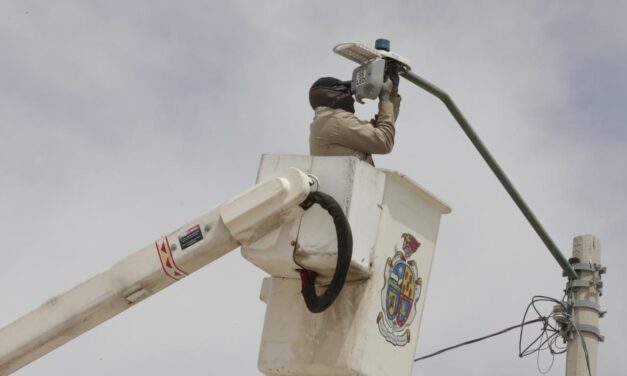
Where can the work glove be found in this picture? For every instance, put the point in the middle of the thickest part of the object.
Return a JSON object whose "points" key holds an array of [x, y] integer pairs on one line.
{"points": [[386, 90], [392, 69]]}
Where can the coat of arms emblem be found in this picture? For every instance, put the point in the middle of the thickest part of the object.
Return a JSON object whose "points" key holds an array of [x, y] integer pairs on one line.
{"points": [[400, 293]]}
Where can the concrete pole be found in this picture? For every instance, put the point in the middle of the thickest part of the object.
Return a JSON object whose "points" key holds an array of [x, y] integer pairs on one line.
{"points": [[584, 297]]}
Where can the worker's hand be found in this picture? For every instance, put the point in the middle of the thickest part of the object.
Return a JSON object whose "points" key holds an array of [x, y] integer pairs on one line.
{"points": [[392, 72], [386, 90]]}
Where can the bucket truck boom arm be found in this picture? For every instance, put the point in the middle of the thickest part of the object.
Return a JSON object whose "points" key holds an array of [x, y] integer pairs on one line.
{"points": [[242, 220]]}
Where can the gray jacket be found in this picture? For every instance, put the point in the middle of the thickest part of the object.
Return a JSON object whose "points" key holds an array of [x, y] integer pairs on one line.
{"points": [[336, 132]]}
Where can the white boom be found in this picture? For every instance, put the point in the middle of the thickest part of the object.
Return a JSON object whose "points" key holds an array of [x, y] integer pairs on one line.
{"points": [[243, 219]]}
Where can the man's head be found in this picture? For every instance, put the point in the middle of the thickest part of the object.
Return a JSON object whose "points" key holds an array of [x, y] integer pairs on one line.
{"points": [[331, 92]]}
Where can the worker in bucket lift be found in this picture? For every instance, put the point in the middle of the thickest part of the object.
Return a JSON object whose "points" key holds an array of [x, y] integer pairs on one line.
{"points": [[336, 131]]}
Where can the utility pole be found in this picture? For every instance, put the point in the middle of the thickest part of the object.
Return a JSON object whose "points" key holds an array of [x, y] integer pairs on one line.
{"points": [[584, 295]]}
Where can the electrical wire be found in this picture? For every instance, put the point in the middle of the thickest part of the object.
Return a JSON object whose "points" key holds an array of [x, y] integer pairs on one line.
{"points": [[585, 349], [547, 328], [547, 340], [570, 295], [551, 340], [479, 339], [544, 372]]}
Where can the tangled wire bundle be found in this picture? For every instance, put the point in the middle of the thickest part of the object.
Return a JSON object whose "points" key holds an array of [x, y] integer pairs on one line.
{"points": [[546, 340]]}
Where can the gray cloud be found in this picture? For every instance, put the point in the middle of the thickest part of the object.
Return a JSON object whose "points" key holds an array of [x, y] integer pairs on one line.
{"points": [[119, 122]]}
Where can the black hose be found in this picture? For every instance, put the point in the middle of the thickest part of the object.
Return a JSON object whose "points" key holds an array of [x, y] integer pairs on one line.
{"points": [[315, 303]]}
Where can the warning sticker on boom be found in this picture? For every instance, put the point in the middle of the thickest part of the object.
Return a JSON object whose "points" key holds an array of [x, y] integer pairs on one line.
{"points": [[190, 237], [167, 259]]}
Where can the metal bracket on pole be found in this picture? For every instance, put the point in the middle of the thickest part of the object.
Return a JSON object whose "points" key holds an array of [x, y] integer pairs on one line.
{"points": [[575, 283], [584, 266], [496, 169], [589, 267], [585, 283], [590, 329]]}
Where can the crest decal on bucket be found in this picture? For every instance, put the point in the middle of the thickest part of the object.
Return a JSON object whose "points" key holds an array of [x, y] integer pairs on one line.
{"points": [[400, 293]]}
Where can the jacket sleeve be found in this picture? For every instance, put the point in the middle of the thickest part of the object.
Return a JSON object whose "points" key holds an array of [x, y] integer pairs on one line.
{"points": [[396, 103], [369, 138]]}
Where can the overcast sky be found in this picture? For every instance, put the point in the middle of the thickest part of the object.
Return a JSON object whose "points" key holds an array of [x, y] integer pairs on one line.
{"points": [[120, 121]]}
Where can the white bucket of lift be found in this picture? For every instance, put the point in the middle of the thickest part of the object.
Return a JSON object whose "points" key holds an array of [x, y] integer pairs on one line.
{"points": [[372, 327]]}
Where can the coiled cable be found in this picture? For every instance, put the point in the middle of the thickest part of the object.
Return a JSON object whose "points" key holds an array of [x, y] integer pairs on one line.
{"points": [[318, 303]]}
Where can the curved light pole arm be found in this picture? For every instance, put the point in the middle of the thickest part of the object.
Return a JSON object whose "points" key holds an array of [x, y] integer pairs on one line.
{"points": [[496, 169]]}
